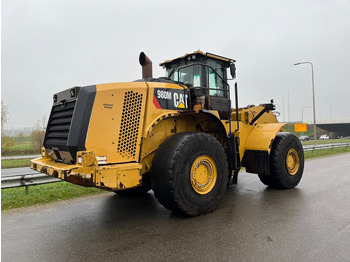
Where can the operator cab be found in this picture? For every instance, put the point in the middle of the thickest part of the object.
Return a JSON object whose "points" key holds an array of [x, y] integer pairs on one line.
{"points": [[205, 75]]}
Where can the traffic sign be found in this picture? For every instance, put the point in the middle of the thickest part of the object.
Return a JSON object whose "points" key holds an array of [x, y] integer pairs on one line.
{"points": [[300, 127]]}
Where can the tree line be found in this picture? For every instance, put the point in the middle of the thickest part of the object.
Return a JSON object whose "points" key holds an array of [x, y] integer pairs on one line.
{"points": [[36, 136]]}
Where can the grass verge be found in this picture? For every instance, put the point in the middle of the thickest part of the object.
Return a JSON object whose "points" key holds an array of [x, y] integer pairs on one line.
{"points": [[13, 163], [19, 150], [41, 194]]}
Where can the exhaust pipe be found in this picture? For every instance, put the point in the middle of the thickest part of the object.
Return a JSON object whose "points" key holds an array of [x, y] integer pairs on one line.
{"points": [[146, 65]]}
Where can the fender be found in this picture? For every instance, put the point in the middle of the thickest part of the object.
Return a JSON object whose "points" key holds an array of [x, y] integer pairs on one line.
{"points": [[218, 125], [258, 146], [221, 130], [261, 137], [170, 123]]}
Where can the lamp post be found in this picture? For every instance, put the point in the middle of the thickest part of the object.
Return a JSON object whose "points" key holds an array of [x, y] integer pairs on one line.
{"points": [[313, 94], [302, 113]]}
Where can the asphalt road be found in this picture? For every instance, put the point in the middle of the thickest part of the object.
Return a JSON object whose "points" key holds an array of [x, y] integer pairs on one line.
{"points": [[253, 223]]}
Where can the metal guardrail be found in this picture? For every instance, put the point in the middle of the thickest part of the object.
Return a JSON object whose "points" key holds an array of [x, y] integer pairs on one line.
{"points": [[39, 178], [327, 146], [27, 180]]}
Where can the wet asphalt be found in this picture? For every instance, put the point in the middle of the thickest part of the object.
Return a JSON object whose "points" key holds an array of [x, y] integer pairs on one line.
{"points": [[253, 223]]}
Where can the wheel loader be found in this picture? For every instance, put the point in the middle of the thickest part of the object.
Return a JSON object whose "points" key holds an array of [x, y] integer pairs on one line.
{"points": [[179, 135]]}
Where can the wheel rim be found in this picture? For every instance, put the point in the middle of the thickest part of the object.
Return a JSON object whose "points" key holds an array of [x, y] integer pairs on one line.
{"points": [[203, 174], [292, 161]]}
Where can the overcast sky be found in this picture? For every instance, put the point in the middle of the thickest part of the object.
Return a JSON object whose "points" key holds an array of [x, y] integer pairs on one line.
{"points": [[48, 46]]}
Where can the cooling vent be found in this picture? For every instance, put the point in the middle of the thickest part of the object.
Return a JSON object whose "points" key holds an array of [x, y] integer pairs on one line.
{"points": [[59, 125], [129, 126]]}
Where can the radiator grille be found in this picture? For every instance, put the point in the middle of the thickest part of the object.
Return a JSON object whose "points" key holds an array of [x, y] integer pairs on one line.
{"points": [[129, 126], [59, 125]]}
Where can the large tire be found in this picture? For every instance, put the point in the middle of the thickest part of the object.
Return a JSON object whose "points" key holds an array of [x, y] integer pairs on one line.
{"points": [[190, 173], [286, 162]]}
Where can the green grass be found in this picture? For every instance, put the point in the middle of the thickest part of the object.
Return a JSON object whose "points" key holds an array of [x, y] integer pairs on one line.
{"points": [[19, 150], [12, 163], [41, 194], [326, 152]]}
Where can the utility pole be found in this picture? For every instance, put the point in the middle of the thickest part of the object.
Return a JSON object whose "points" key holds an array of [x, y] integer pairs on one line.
{"points": [[313, 95]]}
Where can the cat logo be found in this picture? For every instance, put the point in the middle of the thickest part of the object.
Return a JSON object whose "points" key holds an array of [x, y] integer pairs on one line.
{"points": [[181, 105], [180, 100]]}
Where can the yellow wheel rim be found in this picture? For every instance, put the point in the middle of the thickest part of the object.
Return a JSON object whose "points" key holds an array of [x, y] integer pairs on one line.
{"points": [[292, 161], [203, 174]]}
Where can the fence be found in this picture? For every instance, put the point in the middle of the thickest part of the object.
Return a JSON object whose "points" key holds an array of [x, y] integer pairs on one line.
{"points": [[326, 146]]}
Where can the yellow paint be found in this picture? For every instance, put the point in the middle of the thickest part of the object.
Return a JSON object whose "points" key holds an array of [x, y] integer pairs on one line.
{"points": [[112, 132], [111, 177], [199, 52], [181, 105], [292, 161], [120, 176], [261, 136], [128, 144], [203, 174]]}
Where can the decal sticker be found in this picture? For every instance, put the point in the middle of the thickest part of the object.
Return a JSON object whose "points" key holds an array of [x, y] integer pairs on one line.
{"points": [[108, 106], [166, 98]]}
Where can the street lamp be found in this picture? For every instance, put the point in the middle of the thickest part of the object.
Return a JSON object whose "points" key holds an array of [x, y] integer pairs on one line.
{"points": [[313, 94], [302, 113]]}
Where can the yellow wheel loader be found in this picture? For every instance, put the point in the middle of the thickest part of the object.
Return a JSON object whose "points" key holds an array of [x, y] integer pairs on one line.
{"points": [[177, 135]]}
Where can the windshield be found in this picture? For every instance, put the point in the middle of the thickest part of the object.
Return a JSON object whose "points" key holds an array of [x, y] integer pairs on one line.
{"points": [[211, 75]]}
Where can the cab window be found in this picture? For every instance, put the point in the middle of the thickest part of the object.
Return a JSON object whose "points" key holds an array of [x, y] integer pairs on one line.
{"points": [[190, 76], [215, 78]]}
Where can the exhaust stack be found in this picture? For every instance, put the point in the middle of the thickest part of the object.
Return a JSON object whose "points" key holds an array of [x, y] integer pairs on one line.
{"points": [[146, 65]]}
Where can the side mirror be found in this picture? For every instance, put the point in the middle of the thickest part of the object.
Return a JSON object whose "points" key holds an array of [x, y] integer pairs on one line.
{"points": [[233, 70]]}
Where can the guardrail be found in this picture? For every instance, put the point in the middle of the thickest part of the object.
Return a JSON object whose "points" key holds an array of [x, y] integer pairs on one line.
{"points": [[27, 180], [326, 146], [39, 178]]}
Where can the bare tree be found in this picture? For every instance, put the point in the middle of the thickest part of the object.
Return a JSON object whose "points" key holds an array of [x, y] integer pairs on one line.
{"points": [[4, 116], [6, 141], [38, 134]]}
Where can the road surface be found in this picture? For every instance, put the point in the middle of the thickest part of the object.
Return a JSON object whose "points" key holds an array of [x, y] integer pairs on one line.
{"points": [[253, 223]]}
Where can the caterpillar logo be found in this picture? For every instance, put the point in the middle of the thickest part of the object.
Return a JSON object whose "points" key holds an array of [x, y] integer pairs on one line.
{"points": [[166, 98]]}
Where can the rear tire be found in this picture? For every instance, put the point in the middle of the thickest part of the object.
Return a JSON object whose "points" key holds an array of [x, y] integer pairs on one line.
{"points": [[286, 162], [190, 173]]}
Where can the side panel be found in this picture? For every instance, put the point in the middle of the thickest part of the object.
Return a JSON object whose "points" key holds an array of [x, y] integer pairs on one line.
{"points": [[163, 99], [116, 121]]}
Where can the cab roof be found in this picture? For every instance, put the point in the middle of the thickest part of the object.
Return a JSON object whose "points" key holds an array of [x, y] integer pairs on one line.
{"points": [[189, 56]]}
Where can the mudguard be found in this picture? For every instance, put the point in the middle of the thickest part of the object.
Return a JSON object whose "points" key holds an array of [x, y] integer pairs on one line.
{"points": [[262, 136]]}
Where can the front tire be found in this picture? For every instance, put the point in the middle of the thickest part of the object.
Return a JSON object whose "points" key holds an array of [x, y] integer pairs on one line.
{"points": [[189, 173], [286, 162]]}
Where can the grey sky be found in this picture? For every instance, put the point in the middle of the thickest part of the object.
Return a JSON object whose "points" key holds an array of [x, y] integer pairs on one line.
{"points": [[49, 46]]}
